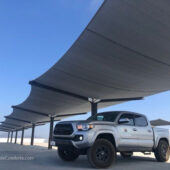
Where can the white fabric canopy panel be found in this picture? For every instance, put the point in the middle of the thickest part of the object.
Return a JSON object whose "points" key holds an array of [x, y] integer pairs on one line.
{"points": [[123, 52]]}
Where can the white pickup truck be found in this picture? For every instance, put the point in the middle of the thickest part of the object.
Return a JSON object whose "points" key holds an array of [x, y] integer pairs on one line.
{"points": [[101, 136]]}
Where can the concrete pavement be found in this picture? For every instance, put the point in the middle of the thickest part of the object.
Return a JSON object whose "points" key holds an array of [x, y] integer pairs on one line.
{"points": [[16, 157]]}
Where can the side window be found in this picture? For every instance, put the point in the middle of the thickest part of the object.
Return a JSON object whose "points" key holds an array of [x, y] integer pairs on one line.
{"points": [[140, 121], [126, 119]]}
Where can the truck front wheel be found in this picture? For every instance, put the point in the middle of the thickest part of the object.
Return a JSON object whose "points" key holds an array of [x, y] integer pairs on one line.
{"points": [[162, 152], [67, 154], [101, 154]]}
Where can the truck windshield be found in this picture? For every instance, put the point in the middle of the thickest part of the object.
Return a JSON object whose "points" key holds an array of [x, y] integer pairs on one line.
{"points": [[106, 116]]}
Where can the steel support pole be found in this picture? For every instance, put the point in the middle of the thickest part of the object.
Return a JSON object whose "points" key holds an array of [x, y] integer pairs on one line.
{"points": [[22, 136], [11, 136], [8, 137], [51, 132], [32, 134], [16, 135], [93, 108]]}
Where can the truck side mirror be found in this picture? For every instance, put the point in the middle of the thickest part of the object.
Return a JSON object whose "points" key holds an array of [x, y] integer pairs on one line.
{"points": [[124, 120]]}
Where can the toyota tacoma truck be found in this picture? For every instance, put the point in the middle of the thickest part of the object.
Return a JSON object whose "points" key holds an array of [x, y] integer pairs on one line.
{"points": [[101, 136]]}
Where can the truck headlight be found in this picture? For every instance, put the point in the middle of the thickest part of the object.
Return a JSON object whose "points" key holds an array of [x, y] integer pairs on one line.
{"points": [[82, 127]]}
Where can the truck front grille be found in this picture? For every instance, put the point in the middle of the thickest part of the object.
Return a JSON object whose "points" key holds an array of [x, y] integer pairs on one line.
{"points": [[63, 129]]}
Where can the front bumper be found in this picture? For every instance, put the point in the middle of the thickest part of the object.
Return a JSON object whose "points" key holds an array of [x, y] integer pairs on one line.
{"points": [[61, 142], [79, 140]]}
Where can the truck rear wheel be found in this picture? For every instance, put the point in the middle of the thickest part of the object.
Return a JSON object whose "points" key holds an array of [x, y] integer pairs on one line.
{"points": [[162, 152], [101, 154], [126, 154], [67, 154]]}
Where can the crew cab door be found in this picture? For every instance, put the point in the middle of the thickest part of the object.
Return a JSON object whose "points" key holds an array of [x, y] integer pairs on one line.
{"points": [[126, 132], [144, 132]]}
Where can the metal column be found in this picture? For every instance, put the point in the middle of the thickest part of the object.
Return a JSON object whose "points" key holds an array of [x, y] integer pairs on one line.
{"points": [[22, 136], [8, 137], [93, 108], [11, 136], [51, 132], [16, 134], [32, 135]]}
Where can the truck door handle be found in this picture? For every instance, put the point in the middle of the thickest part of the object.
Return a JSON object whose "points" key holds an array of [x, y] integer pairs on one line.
{"points": [[149, 131], [134, 129]]}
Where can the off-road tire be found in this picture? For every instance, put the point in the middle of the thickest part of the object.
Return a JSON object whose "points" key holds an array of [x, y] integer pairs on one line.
{"points": [[102, 154], [67, 154], [162, 152]]}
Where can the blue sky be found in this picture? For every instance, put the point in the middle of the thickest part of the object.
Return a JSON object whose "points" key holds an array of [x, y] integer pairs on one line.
{"points": [[34, 34]]}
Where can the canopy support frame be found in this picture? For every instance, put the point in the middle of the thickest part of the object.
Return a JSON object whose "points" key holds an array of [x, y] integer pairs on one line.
{"points": [[8, 137], [94, 102], [16, 135], [11, 136], [32, 134], [51, 132], [22, 136]]}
